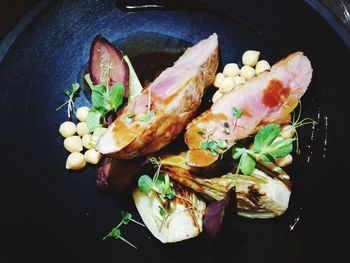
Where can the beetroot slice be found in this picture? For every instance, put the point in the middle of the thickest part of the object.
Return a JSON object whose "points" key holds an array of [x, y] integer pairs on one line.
{"points": [[102, 52], [220, 214]]}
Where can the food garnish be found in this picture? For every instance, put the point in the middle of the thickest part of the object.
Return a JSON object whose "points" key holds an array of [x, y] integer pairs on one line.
{"points": [[116, 232], [265, 149], [103, 102], [160, 182], [71, 94]]}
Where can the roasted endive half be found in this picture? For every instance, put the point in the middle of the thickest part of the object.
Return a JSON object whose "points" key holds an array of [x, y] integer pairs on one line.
{"points": [[171, 220], [264, 193]]}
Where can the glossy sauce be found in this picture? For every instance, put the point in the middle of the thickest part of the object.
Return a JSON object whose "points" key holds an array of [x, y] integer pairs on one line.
{"points": [[200, 158], [275, 93]]}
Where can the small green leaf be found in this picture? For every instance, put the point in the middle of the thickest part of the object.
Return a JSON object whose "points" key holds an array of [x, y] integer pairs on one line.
{"points": [[205, 145], [162, 211], [171, 194], [265, 137], [89, 81], [213, 145], [148, 116], [126, 217], [99, 99], [267, 158], [248, 163], [115, 232], [237, 152], [159, 184], [67, 92], [281, 148], [237, 112], [222, 144], [145, 184], [116, 96], [167, 186], [93, 120], [75, 87]]}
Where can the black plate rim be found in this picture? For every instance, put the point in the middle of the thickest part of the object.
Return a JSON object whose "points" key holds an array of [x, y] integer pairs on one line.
{"points": [[6, 43]]}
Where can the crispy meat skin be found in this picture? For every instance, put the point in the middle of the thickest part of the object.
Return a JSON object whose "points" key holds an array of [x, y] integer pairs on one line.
{"points": [[269, 97], [175, 97]]}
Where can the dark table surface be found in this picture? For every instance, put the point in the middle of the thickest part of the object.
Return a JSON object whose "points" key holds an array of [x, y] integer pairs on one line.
{"points": [[12, 11]]}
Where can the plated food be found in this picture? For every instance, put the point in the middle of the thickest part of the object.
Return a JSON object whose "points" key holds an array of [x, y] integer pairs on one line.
{"points": [[193, 171]]}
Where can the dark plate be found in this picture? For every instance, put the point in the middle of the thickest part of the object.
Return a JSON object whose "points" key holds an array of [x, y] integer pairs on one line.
{"points": [[51, 215]]}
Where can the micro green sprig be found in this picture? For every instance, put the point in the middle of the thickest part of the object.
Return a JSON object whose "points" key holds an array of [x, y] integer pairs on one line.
{"points": [[160, 182], [265, 148], [71, 94], [297, 123], [116, 232]]}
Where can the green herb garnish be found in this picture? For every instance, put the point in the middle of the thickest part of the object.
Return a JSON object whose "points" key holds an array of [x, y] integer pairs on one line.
{"points": [[214, 146], [264, 149], [116, 232], [150, 113], [104, 102], [71, 94], [237, 113], [296, 123], [162, 212], [130, 118], [148, 116], [160, 182]]}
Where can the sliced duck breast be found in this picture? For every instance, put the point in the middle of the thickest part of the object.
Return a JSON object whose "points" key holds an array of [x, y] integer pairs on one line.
{"points": [[165, 107]]}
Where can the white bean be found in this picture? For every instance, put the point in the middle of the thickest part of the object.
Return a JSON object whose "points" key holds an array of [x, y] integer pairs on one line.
{"points": [[239, 80], [219, 78], [227, 85], [262, 66], [92, 156], [67, 129], [75, 161], [247, 72], [82, 113], [73, 144], [250, 57], [82, 128], [231, 70], [284, 161], [288, 131], [86, 141]]}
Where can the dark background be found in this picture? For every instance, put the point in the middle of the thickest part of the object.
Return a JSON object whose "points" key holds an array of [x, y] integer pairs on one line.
{"points": [[32, 206], [12, 10]]}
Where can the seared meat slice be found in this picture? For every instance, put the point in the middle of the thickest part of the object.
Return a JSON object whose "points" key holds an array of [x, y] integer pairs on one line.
{"points": [[269, 97], [165, 107]]}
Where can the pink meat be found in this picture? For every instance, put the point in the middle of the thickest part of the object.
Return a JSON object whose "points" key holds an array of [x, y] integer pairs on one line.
{"points": [[269, 97], [174, 98]]}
